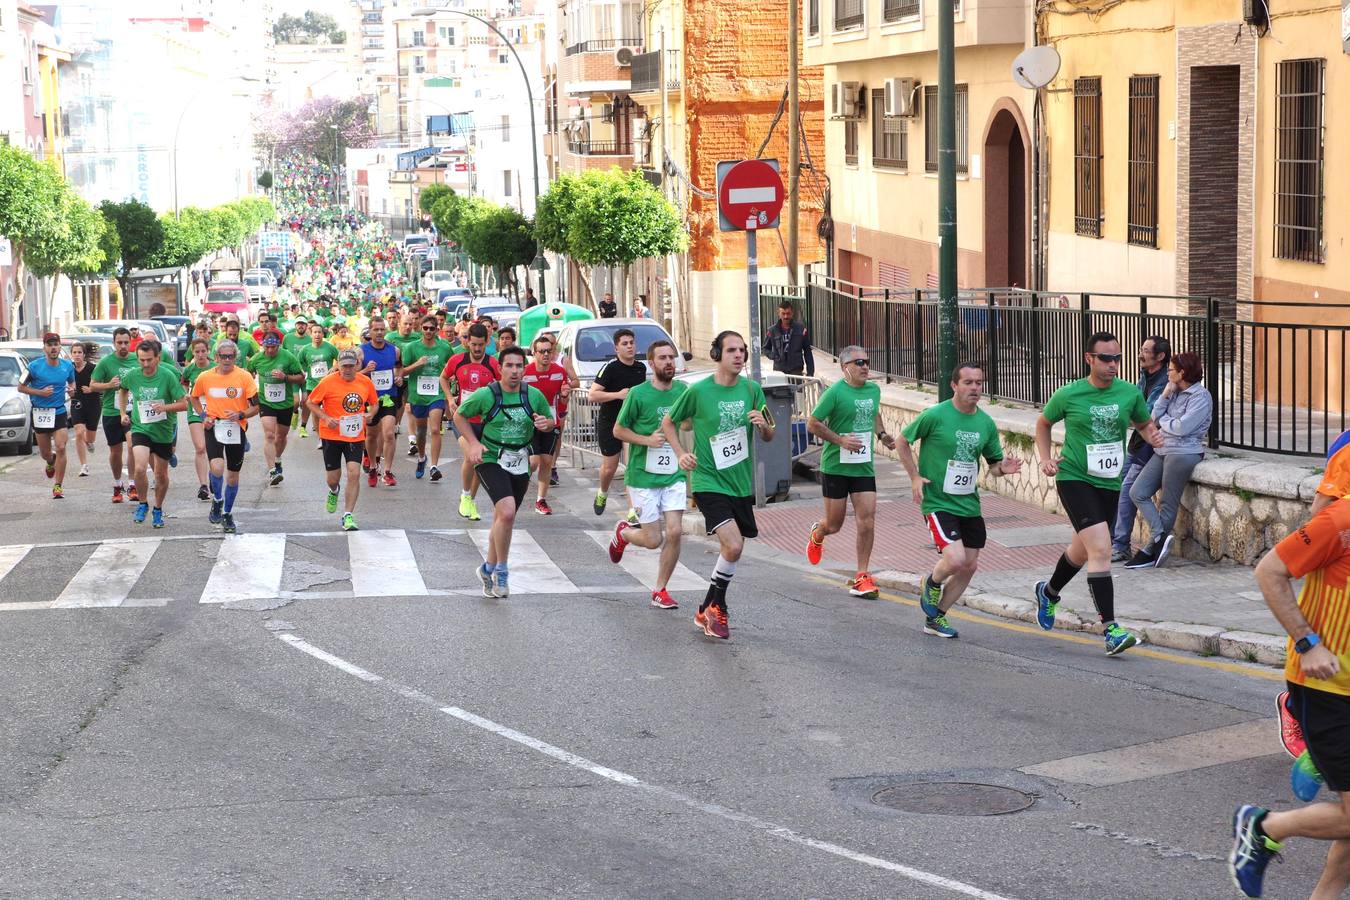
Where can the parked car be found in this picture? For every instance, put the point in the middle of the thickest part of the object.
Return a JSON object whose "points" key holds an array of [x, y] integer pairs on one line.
{"points": [[229, 299], [447, 297], [259, 286], [433, 281], [416, 242], [503, 312], [276, 265], [590, 344], [180, 334], [264, 273], [16, 420], [148, 327]]}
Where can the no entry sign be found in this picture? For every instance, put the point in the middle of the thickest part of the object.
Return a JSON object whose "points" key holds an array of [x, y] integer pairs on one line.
{"points": [[749, 194]]}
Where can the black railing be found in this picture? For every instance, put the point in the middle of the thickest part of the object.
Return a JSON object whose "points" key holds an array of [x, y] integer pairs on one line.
{"points": [[597, 148], [595, 46], [1277, 378]]}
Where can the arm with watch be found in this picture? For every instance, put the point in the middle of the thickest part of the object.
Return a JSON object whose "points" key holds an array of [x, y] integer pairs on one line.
{"points": [[1276, 582]]}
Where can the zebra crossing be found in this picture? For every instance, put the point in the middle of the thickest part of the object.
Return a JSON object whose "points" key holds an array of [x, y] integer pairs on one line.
{"points": [[295, 566]]}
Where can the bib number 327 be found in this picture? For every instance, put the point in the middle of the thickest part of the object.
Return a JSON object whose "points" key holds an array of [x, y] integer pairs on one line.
{"points": [[729, 448], [1106, 460], [515, 462]]}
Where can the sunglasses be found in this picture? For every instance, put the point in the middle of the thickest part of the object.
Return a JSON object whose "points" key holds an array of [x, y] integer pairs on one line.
{"points": [[858, 362], [428, 327], [226, 355], [1108, 357]]}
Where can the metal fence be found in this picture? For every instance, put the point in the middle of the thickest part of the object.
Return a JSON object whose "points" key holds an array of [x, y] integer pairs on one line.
{"points": [[1277, 371]]}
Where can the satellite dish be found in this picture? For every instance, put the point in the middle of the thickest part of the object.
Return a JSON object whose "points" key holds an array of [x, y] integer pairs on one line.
{"points": [[1036, 67]]}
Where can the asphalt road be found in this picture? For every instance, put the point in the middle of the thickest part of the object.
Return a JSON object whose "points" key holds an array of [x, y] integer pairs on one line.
{"points": [[388, 732]]}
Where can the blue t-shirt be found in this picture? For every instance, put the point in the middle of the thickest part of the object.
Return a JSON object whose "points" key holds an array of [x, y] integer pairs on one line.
{"points": [[385, 360], [43, 374]]}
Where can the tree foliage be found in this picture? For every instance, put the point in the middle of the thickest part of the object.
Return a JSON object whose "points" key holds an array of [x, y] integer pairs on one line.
{"points": [[310, 28], [140, 235], [608, 219], [265, 181], [320, 129], [447, 213], [497, 236], [431, 194], [197, 232], [80, 251]]}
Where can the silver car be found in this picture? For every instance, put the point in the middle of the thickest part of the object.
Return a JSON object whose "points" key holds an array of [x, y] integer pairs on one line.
{"points": [[589, 344], [16, 420]]}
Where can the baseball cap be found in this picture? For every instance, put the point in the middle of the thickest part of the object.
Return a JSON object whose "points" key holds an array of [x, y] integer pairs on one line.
{"points": [[348, 356], [271, 339], [50, 336]]}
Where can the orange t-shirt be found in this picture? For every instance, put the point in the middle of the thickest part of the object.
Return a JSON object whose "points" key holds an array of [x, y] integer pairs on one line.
{"points": [[221, 393], [338, 398], [1321, 551]]}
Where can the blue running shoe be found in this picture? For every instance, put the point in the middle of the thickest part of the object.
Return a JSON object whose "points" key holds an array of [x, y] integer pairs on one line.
{"points": [[1252, 850], [1304, 778], [1118, 640], [501, 590], [173, 460], [157, 518], [485, 576], [938, 626], [421, 466], [930, 595], [139, 515], [1045, 607], [216, 508]]}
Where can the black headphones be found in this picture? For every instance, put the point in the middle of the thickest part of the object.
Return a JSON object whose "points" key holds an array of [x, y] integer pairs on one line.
{"points": [[715, 353]]}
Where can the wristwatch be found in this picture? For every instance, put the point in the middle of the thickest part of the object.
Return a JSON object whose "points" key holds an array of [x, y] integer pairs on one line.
{"points": [[1307, 642]]}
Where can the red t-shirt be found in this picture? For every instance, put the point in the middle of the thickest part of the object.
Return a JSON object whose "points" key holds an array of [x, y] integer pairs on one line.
{"points": [[552, 383], [467, 376]]}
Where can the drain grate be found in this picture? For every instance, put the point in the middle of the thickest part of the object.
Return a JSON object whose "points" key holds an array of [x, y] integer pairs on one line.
{"points": [[953, 798]]}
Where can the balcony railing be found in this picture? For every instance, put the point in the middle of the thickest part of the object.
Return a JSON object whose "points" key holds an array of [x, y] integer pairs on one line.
{"points": [[647, 72], [598, 148], [597, 46]]}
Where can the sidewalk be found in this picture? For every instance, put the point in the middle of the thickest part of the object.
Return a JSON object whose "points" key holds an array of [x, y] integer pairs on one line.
{"points": [[1206, 609]]}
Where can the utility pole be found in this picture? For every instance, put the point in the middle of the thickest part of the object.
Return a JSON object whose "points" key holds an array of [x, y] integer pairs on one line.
{"points": [[946, 197], [794, 143]]}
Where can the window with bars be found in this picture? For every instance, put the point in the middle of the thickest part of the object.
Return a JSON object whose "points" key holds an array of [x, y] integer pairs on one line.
{"points": [[1143, 167], [895, 10], [850, 142], [848, 14], [813, 17], [890, 138], [930, 128], [1299, 163], [1087, 156]]}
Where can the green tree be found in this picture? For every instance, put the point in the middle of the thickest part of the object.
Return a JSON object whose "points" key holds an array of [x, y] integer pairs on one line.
{"points": [[140, 235], [499, 237], [188, 238], [551, 214], [448, 213], [311, 28], [31, 207], [431, 194], [81, 251], [265, 181], [230, 225]]}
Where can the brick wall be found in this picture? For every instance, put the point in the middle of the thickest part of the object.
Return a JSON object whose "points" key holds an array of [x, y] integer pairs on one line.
{"points": [[597, 66], [1213, 183]]}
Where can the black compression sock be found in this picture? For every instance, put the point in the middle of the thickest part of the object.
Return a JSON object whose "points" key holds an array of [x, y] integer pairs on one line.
{"points": [[1103, 594], [1064, 572]]}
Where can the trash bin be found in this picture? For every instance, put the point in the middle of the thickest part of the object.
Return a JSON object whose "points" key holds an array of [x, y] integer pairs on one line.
{"points": [[775, 457]]}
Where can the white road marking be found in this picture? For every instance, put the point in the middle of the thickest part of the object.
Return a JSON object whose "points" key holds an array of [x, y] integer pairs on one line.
{"points": [[779, 831], [383, 565], [642, 565], [248, 567], [10, 557], [1198, 750], [532, 570], [108, 575]]}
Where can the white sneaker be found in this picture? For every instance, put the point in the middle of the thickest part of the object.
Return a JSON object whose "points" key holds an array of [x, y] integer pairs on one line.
{"points": [[84, 471]]}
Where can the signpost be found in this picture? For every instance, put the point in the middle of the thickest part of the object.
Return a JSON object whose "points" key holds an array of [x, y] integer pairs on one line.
{"points": [[750, 197]]}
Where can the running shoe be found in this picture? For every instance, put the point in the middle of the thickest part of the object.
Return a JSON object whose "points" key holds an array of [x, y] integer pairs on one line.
{"points": [[1304, 778], [1291, 732], [365, 460], [717, 622], [421, 467], [349, 522], [227, 524], [1164, 548], [278, 465], [1118, 640], [330, 504], [864, 586], [468, 508], [435, 474], [214, 517], [51, 467], [275, 477], [131, 493], [930, 597], [156, 518], [701, 621], [617, 544], [501, 589], [1144, 559], [631, 517], [662, 600], [541, 506], [117, 493], [57, 492], [303, 433], [1045, 607], [173, 460], [938, 626], [389, 479], [815, 549], [412, 445], [1252, 850], [553, 478], [485, 576], [139, 515], [372, 476], [599, 503], [203, 493], [84, 471]]}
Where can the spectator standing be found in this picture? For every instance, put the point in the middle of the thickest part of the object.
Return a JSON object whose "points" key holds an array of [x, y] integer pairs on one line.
{"points": [[608, 308], [788, 344], [1155, 355]]}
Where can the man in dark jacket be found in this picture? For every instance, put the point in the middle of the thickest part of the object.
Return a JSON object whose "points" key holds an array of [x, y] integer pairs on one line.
{"points": [[788, 344], [1155, 355]]}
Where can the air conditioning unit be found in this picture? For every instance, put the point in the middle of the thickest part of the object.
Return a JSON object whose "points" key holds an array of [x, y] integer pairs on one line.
{"points": [[1254, 12], [845, 100], [623, 57], [900, 93]]}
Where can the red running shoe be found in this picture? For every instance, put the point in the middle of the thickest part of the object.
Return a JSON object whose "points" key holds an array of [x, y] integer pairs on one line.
{"points": [[662, 600], [373, 477], [701, 621], [617, 544], [365, 460], [542, 507], [131, 493], [117, 493], [814, 549], [389, 479], [1291, 733], [717, 623]]}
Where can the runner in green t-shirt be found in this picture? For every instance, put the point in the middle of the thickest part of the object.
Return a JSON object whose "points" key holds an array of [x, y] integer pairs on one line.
{"points": [[279, 374], [297, 338], [107, 378], [724, 409], [953, 436], [656, 485], [846, 417], [511, 411], [198, 362], [148, 402], [247, 346], [317, 358], [404, 330], [1097, 412], [423, 361]]}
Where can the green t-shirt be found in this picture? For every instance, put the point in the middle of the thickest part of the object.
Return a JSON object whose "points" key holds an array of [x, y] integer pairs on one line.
{"points": [[104, 371], [263, 365], [846, 410], [510, 428], [721, 434], [325, 355], [190, 373], [642, 412], [248, 347], [952, 444], [163, 386], [438, 354], [294, 343], [401, 341], [1096, 422]]}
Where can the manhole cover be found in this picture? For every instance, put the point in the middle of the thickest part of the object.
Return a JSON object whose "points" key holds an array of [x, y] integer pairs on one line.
{"points": [[953, 798]]}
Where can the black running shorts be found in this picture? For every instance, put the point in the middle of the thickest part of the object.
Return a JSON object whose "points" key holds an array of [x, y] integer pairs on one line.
{"points": [[1087, 505]]}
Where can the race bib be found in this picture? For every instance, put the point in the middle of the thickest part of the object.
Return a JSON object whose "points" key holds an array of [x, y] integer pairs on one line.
{"points": [[44, 418], [351, 426], [318, 369], [148, 414], [428, 385], [383, 378], [661, 460], [729, 448], [1106, 460], [274, 393], [960, 478], [226, 432], [863, 454], [516, 462]]}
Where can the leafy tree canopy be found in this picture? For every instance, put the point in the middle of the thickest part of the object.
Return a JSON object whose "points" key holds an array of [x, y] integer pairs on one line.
{"points": [[140, 234], [310, 28], [320, 129], [608, 219], [431, 194], [497, 236]]}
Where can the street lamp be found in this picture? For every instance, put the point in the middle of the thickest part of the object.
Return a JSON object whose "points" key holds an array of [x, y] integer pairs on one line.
{"points": [[529, 96], [179, 128]]}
